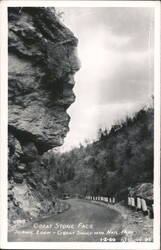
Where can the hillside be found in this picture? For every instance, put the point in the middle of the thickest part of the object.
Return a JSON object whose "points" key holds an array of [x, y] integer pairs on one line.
{"points": [[119, 160]]}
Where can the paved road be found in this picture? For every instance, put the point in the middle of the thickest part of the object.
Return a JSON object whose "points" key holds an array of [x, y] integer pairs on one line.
{"points": [[84, 221]]}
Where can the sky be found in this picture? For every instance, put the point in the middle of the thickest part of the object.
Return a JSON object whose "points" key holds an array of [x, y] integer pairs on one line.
{"points": [[116, 76]]}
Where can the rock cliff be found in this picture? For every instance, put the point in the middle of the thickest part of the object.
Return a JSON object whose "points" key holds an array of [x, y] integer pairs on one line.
{"points": [[42, 62]]}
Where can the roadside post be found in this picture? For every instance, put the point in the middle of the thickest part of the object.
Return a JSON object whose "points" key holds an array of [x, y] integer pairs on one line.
{"points": [[106, 199], [144, 207], [132, 202], [138, 206], [129, 201]]}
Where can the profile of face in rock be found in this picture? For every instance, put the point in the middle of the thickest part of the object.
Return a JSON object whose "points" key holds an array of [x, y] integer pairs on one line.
{"points": [[42, 63]]}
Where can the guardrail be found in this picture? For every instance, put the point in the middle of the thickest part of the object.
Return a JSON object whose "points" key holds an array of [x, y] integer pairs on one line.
{"points": [[140, 204], [110, 200], [135, 203]]}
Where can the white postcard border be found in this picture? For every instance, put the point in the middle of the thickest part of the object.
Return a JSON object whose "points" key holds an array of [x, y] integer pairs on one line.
{"points": [[4, 119]]}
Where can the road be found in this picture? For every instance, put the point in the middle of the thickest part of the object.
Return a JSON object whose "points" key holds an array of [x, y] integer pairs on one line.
{"points": [[83, 222]]}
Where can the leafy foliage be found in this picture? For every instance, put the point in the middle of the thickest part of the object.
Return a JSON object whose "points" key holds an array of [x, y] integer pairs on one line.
{"points": [[119, 158]]}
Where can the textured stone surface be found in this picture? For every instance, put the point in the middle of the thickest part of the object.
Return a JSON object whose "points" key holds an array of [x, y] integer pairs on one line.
{"points": [[41, 66], [42, 62]]}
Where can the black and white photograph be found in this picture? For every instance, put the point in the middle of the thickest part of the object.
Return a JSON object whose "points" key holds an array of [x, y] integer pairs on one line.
{"points": [[82, 96]]}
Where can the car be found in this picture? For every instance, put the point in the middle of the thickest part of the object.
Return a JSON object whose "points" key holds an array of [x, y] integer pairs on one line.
{"points": [[66, 196]]}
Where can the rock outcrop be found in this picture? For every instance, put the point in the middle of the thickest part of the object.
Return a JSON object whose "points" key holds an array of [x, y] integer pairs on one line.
{"points": [[143, 190], [41, 66]]}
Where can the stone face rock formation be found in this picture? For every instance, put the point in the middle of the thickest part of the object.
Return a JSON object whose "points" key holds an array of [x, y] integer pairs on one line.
{"points": [[41, 66]]}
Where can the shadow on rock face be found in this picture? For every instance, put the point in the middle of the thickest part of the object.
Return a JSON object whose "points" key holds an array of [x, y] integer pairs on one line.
{"points": [[42, 64]]}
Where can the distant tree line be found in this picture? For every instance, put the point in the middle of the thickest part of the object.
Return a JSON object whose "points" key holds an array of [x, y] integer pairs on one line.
{"points": [[119, 158]]}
